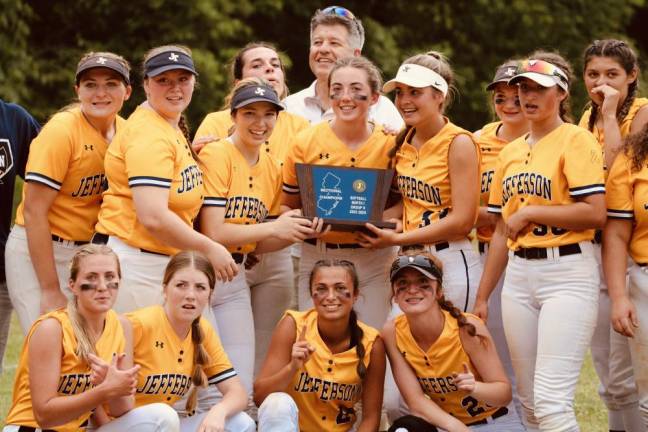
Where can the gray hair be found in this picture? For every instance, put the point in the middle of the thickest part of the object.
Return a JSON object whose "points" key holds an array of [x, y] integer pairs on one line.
{"points": [[353, 26]]}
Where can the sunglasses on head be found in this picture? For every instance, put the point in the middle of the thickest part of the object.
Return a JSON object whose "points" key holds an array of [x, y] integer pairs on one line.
{"points": [[419, 261], [542, 67], [339, 11]]}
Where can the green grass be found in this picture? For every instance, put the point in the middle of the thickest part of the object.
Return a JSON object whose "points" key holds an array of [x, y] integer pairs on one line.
{"points": [[590, 412]]}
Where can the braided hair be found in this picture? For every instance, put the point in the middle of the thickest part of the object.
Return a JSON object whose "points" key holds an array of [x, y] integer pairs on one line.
{"points": [[620, 52], [356, 331], [446, 305], [199, 262]]}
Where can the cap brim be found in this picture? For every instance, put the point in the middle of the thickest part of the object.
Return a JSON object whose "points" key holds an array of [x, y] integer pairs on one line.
{"points": [[492, 85], [543, 80], [165, 68], [247, 102], [423, 271], [105, 66]]}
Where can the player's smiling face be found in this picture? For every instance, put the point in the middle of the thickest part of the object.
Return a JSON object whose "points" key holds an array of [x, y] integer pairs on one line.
{"points": [[97, 284], [414, 292], [418, 105], [350, 94], [607, 71], [102, 92], [186, 295], [169, 93], [507, 104], [333, 293], [539, 103], [328, 44], [262, 62], [254, 123]]}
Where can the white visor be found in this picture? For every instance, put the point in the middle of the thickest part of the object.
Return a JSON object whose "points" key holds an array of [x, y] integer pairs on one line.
{"points": [[542, 79], [417, 76]]}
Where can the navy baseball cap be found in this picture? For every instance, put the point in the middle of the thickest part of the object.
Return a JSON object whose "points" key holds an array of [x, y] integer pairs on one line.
{"points": [[99, 60], [168, 60], [503, 74], [255, 93]]}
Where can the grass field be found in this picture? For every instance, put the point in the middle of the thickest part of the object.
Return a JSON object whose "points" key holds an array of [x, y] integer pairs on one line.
{"points": [[591, 414]]}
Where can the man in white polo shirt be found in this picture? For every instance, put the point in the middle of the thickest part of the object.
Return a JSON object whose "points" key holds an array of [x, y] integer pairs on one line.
{"points": [[335, 33]]}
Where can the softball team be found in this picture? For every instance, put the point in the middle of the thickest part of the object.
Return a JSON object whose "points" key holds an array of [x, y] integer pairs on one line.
{"points": [[610, 74], [64, 181], [193, 231]]}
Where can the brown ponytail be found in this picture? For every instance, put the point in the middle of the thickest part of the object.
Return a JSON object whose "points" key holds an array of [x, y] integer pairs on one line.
{"points": [[356, 331], [201, 358], [636, 148], [557, 60], [446, 305]]}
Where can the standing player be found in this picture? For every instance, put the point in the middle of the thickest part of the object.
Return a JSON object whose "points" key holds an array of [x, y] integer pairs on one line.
{"points": [[242, 189], [491, 139], [322, 361], [437, 174], [626, 232], [548, 188], [271, 279], [155, 187], [349, 140], [610, 74], [17, 130], [179, 352], [53, 388], [444, 362], [64, 181]]}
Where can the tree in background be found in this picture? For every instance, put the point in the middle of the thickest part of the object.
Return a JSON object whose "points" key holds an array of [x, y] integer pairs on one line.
{"points": [[41, 43]]}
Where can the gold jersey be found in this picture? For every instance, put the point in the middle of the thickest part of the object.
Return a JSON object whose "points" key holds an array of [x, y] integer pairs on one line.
{"points": [[75, 374], [167, 361], [148, 151], [249, 194], [68, 156], [562, 167], [627, 198], [328, 386], [434, 369], [423, 177], [318, 145]]}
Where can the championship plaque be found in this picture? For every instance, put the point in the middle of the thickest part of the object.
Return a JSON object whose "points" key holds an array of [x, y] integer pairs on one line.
{"points": [[344, 197]]}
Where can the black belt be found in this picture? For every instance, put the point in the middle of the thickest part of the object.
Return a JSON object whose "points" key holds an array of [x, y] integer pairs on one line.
{"points": [[335, 245], [642, 264], [238, 257], [541, 253], [598, 237], [440, 246], [482, 247], [499, 413], [99, 238], [31, 429], [62, 240]]}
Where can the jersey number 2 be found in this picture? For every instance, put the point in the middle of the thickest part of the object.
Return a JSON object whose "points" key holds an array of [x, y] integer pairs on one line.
{"points": [[472, 406]]}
